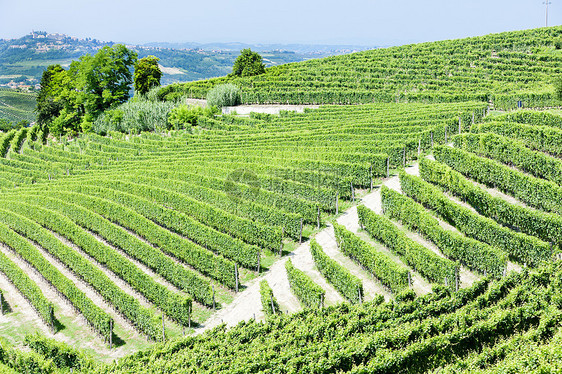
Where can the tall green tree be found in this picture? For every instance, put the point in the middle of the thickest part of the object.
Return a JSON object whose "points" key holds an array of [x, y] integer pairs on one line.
{"points": [[147, 74], [48, 107], [70, 100], [248, 63]]}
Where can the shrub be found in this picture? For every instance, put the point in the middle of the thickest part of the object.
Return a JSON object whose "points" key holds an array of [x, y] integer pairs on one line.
{"points": [[185, 115], [224, 95], [134, 117]]}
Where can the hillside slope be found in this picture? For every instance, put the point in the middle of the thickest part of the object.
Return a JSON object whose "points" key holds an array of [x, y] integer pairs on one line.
{"points": [[505, 68]]}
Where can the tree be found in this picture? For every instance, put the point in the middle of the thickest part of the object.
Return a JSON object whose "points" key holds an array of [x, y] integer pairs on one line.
{"points": [[248, 64], [70, 100], [147, 74], [47, 107], [103, 80]]}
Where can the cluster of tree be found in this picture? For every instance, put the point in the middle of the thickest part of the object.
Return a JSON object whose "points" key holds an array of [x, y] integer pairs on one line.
{"points": [[70, 100]]}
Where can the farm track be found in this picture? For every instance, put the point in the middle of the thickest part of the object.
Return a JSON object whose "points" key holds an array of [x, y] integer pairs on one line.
{"points": [[247, 304]]}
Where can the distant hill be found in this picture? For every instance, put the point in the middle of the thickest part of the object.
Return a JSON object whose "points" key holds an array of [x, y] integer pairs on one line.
{"points": [[23, 60]]}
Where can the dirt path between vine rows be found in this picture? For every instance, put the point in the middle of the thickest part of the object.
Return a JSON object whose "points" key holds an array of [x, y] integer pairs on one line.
{"points": [[247, 304]]}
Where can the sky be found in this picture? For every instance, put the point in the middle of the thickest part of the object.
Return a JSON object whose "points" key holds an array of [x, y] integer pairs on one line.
{"points": [[358, 22]]}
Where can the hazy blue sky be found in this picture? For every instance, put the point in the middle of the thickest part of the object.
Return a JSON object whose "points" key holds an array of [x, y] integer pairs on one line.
{"points": [[280, 21]]}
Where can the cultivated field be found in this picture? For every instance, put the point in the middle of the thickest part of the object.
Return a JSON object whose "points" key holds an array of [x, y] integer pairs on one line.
{"points": [[375, 238]]}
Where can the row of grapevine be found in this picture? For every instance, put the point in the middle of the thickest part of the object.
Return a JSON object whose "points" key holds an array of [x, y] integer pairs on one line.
{"points": [[96, 317], [308, 292], [392, 275], [423, 260], [347, 284], [547, 226], [538, 193], [523, 248], [512, 152], [473, 254], [269, 303], [182, 277], [177, 307], [29, 290]]}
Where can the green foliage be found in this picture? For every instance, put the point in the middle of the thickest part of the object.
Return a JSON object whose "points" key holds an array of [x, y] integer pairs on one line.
{"points": [[62, 355], [522, 248], [269, 303], [147, 74], [480, 68], [392, 275], [541, 138], [224, 95], [5, 141], [530, 117], [70, 100], [558, 88], [558, 43], [95, 316], [542, 194], [309, 293], [546, 226], [433, 267], [473, 254], [347, 284], [134, 117], [29, 290], [248, 64], [184, 116], [512, 152]]}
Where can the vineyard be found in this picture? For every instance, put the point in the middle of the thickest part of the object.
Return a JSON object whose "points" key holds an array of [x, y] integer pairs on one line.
{"points": [[16, 106], [392, 236], [486, 68]]}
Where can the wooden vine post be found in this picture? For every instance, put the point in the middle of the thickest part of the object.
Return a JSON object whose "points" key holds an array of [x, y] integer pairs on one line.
{"points": [[236, 275], [337, 205], [300, 235], [387, 167], [281, 245], [272, 305], [318, 218], [214, 304]]}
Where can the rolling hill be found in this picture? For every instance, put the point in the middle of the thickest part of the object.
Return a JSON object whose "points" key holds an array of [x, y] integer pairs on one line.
{"points": [[419, 233]]}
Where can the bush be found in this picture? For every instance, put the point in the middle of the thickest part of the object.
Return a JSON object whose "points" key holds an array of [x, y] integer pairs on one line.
{"points": [[558, 43], [184, 115], [134, 117], [224, 95]]}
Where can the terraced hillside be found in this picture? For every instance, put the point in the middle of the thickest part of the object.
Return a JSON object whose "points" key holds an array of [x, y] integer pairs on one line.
{"points": [[400, 237], [481, 68], [129, 228]]}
